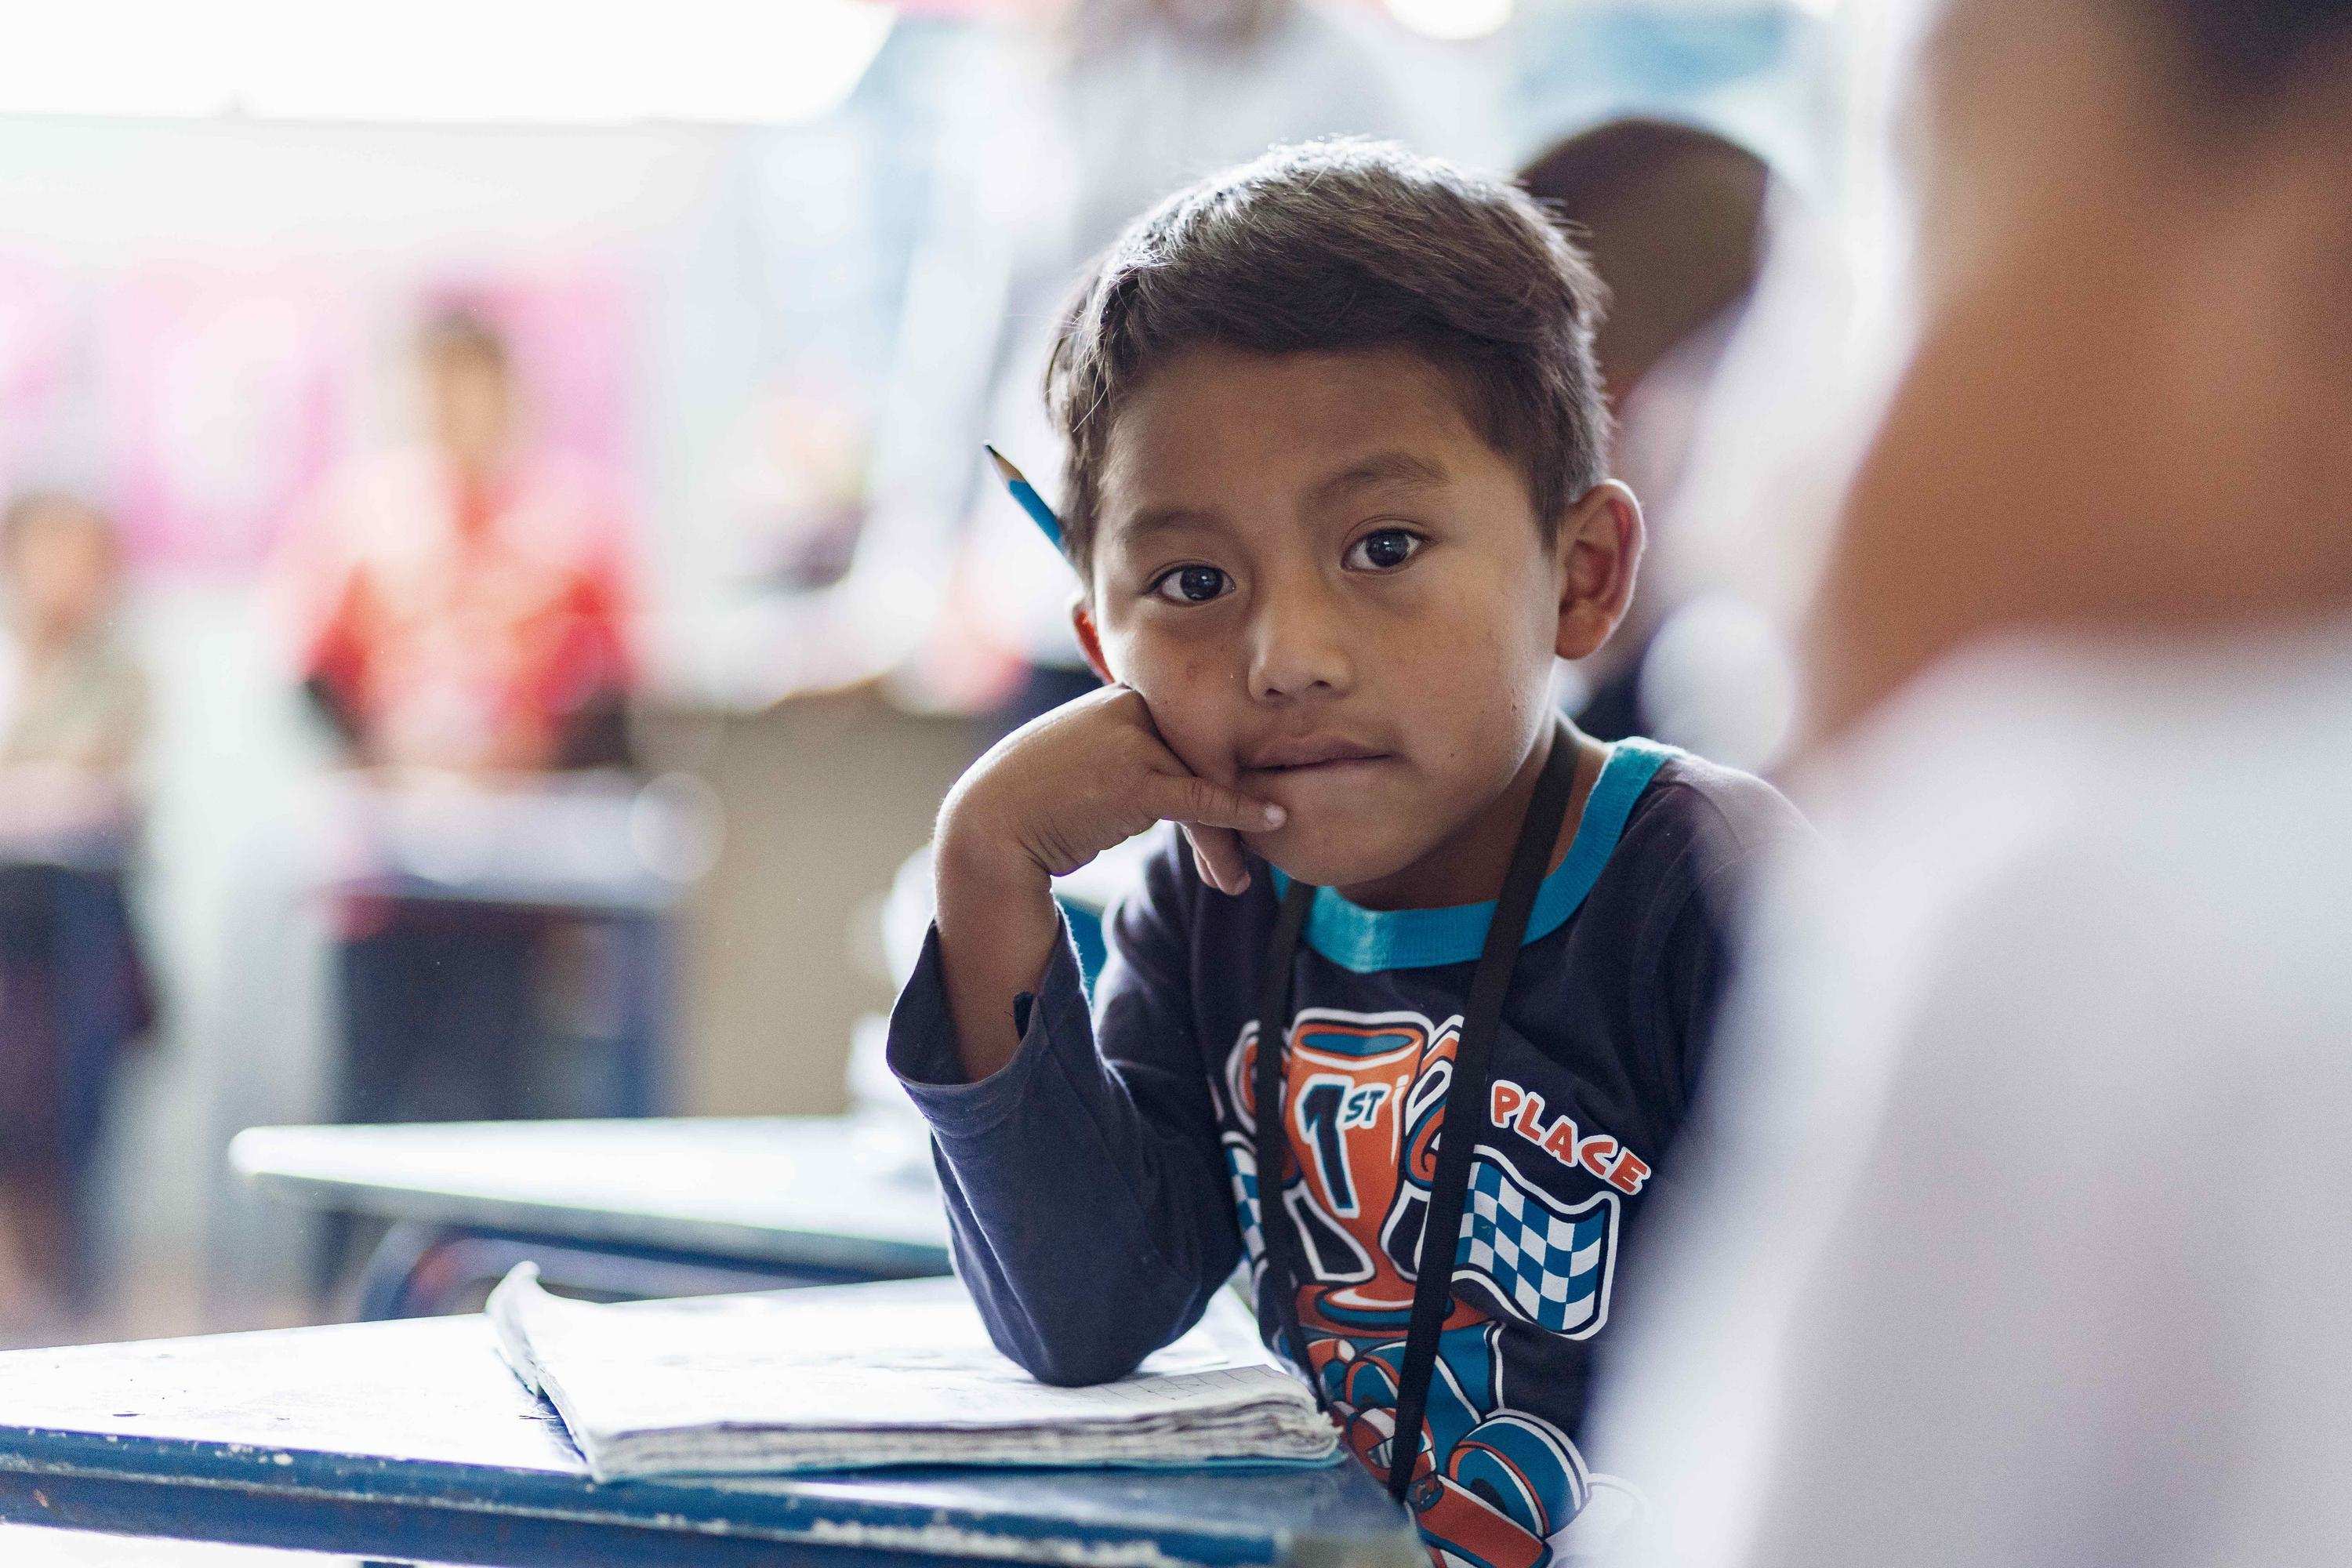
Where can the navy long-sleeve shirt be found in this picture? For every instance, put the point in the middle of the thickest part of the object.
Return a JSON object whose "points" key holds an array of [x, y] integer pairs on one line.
{"points": [[1102, 1184]]}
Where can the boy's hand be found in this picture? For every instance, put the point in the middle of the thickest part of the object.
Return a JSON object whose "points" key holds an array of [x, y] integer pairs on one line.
{"points": [[1047, 799], [1085, 778]]}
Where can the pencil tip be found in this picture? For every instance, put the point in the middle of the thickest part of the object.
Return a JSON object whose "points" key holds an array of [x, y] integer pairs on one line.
{"points": [[1004, 468]]}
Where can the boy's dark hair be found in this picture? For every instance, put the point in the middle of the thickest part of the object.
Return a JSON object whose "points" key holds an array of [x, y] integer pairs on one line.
{"points": [[1346, 245]]}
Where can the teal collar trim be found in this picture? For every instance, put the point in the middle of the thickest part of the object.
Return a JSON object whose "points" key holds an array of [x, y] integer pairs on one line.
{"points": [[1369, 941]]}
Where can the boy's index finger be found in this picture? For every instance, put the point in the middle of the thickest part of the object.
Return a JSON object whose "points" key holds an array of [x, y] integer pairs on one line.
{"points": [[1188, 797]]}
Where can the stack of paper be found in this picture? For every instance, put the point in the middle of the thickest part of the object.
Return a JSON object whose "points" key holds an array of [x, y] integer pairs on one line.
{"points": [[856, 1376]]}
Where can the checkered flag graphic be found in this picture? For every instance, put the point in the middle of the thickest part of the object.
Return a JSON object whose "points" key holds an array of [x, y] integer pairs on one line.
{"points": [[1240, 1164], [1544, 1262]]}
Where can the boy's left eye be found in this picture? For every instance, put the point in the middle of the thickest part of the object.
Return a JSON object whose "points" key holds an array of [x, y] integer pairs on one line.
{"points": [[1383, 550]]}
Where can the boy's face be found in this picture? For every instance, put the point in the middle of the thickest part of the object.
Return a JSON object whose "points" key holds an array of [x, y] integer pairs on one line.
{"points": [[1332, 593]]}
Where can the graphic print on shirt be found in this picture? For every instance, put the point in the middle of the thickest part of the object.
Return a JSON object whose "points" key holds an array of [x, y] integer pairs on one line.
{"points": [[1364, 1099]]}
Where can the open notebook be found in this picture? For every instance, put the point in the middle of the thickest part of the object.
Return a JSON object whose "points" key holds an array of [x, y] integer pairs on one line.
{"points": [[857, 1376]]}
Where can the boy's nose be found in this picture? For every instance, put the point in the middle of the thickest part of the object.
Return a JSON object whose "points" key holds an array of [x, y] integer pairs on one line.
{"points": [[1298, 648]]}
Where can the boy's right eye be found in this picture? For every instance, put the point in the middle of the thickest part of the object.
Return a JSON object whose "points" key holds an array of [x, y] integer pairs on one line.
{"points": [[1191, 584]]}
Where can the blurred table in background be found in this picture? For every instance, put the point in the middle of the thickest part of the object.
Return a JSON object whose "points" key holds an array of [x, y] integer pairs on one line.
{"points": [[615, 1209], [591, 841], [507, 950]]}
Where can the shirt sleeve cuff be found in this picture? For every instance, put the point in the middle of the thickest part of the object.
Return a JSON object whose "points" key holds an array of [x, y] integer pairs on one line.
{"points": [[923, 1051]]}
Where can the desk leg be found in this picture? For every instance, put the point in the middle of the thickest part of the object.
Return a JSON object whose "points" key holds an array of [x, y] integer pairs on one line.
{"points": [[647, 1008]]}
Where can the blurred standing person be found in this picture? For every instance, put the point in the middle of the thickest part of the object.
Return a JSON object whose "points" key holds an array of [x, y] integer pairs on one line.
{"points": [[475, 589], [2027, 1246], [472, 595], [1131, 100], [1674, 217], [73, 988]]}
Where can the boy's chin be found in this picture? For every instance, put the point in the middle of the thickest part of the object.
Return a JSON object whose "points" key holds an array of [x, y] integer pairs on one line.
{"points": [[1329, 857]]}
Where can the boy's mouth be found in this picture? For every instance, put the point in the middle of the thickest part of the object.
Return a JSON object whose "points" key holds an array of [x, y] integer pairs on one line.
{"points": [[1308, 755]]}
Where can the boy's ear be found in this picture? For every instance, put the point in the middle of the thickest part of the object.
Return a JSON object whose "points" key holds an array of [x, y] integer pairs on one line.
{"points": [[1082, 621], [1600, 552]]}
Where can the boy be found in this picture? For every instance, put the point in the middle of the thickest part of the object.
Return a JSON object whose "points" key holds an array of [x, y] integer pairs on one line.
{"points": [[1337, 497]]}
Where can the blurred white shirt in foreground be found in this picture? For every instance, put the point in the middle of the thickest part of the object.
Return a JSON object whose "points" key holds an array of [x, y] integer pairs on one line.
{"points": [[2024, 1233]]}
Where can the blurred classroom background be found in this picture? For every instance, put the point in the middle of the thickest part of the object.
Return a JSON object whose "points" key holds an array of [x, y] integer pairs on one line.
{"points": [[498, 571]]}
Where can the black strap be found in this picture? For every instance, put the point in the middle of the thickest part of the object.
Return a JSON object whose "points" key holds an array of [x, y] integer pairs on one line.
{"points": [[1465, 1101], [1465, 1094]]}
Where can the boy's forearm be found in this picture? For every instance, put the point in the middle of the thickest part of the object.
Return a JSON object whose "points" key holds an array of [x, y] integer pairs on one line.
{"points": [[1088, 1198], [997, 926]]}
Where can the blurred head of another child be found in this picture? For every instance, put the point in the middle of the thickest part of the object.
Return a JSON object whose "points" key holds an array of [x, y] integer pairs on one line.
{"points": [[61, 569], [469, 391], [1673, 217]]}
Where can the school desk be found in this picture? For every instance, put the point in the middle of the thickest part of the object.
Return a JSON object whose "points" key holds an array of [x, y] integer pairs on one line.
{"points": [[685, 1205], [412, 1440]]}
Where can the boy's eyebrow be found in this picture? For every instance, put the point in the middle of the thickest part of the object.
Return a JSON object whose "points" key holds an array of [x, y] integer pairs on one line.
{"points": [[1160, 519], [1382, 468]]}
